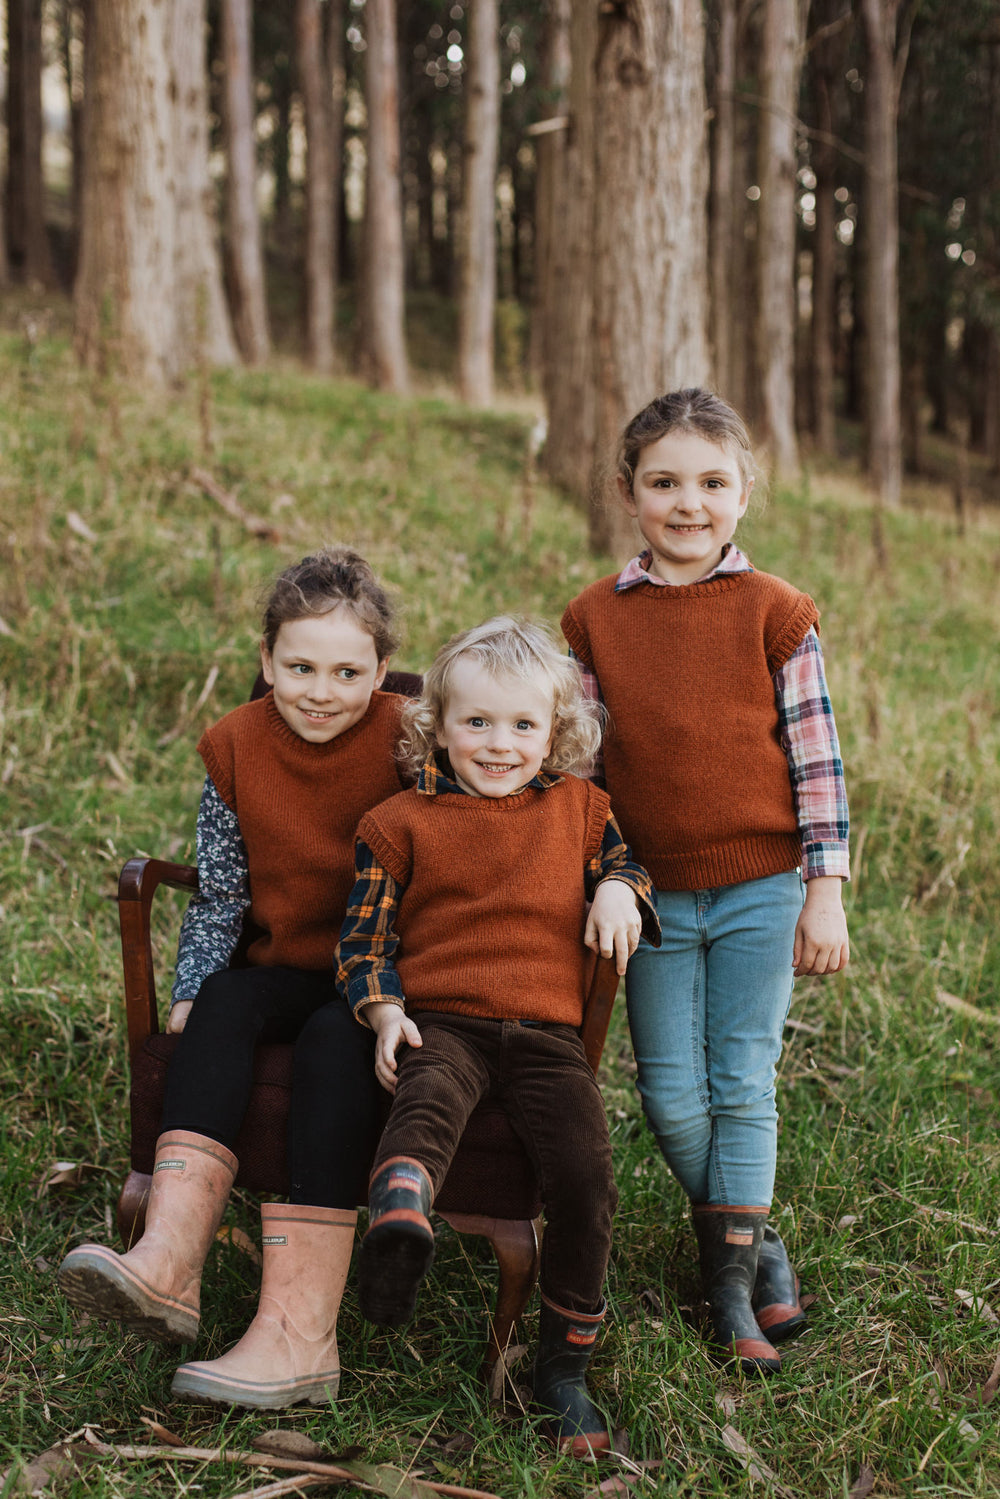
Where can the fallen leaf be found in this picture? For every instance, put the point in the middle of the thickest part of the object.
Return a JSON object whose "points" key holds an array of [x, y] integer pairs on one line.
{"points": [[991, 1386], [163, 1434], [79, 526], [848, 1220], [755, 1466], [977, 1304], [726, 1404], [281, 1443], [651, 1300], [968, 1431], [45, 1471], [863, 1484], [59, 1174], [392, 1482], [962, 1007]]}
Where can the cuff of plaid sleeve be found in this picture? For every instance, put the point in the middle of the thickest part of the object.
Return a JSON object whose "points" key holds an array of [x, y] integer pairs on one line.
{"points": [[819, 862]]}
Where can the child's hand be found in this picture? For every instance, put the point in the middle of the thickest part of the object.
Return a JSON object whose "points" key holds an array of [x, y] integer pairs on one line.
{"points": [[821, 942], [614, 925], [177, 1019], [392, 1028]]}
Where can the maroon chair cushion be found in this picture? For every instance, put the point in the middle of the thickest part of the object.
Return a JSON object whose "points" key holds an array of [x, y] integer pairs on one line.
{"points": [[490, 1175]]}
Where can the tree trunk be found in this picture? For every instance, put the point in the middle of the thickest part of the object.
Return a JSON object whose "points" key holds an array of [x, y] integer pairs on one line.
{"points": [[881, 249], [650, 247], [382, 347], [478, 275], [124, 309], [551, 147], [336, 71], [203, 325], [245, 253], [781, 63], [823, 333], [724, 202], [321, 196], [30, 254]]}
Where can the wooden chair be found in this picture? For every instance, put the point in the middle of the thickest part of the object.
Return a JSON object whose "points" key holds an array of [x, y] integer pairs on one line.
{"points": [[490, 1190]]}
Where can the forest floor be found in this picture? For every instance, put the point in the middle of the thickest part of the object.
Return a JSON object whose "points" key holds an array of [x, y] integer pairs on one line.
{"points": [[128, 608]]}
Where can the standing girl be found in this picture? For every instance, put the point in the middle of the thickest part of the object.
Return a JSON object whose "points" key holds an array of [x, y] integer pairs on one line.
{"points": [[723, 768], [289, 777]]}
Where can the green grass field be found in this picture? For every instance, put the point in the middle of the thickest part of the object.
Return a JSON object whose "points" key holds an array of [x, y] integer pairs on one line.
{"points": [[124, 588]]}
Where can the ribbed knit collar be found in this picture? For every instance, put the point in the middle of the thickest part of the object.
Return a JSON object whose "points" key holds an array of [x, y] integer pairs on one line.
{"points": [[437, 779], [286, 735], [637, 571]]}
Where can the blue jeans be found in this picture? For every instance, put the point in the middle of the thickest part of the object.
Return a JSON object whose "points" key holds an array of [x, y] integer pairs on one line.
{"points": [[706, 1011]]}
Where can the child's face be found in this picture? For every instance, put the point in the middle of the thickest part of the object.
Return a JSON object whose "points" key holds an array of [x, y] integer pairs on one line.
{"points": [[497, 730], [323, 670], [687, 495]]}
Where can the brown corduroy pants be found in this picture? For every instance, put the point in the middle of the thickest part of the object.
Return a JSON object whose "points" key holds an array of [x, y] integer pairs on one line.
{"points": [[541, 1076]]}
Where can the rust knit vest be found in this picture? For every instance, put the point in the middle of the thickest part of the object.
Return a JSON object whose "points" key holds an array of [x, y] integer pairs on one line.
{"points": [[491, 918], [298, 805], [698, 779]]}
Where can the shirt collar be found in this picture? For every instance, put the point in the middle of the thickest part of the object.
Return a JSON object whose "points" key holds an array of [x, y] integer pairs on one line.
{"points": [[437, 779], [637, 571]]}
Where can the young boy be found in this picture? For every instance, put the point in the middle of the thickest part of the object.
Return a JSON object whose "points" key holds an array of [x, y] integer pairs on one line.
{"points": [[464, 946]]}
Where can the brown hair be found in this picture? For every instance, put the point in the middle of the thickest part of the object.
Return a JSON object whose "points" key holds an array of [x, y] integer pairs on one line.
{"points": [[690, 410], [333, 577], [516, 648]]}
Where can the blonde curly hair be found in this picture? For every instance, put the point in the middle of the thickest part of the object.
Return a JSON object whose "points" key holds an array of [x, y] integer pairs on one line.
{"points": [[509, 647]]}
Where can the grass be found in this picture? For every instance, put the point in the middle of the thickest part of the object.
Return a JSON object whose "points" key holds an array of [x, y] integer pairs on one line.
{"points": [[123, 585]]}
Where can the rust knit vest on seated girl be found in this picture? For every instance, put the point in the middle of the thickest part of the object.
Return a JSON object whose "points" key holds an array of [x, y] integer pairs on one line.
{"points": [[693, 759], [491, 918], [298, 805]]}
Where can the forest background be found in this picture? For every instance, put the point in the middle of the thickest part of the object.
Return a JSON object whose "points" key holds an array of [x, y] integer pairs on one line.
{"points": [[278, 274]]}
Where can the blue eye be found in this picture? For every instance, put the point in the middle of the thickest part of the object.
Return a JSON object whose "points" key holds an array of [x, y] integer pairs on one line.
{"points": [[525, 725], [301, 668]]}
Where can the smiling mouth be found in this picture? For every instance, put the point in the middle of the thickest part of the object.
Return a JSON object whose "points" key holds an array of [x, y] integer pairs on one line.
{"points": [[317, 717], [493, 769]]}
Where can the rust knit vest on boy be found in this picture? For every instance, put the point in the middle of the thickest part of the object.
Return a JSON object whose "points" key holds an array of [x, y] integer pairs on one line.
{"points": [[298, 806], [491, 918], [693, 761]]}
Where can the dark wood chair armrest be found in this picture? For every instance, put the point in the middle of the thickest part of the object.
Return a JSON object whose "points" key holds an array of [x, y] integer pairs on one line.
{"points": [[137, 884], [600, 1001]]}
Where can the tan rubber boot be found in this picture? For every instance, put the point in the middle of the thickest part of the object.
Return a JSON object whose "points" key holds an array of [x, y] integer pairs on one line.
{"points": [[289, 1352], [155, 1288]]}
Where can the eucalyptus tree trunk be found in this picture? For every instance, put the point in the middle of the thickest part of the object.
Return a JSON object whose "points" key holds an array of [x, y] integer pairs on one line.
{"points": [[477, 297], [124, 311], [244, 245], [885, 61], [204, 330], [781, 65], [321, 185], [724, 201], [30, 255], [382, 346], [551, 142]]}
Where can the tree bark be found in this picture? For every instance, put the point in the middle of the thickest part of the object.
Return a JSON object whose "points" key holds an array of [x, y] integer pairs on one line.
{"points": [[724, 202], [321, 185], [781, 55], [881, 249], [204, 329], [478, 255], [245, 251], [382, 346], [551, 148], [30, 253]]}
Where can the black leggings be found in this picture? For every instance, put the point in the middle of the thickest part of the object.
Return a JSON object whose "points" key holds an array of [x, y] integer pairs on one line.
{"points": [[337, 1107]]}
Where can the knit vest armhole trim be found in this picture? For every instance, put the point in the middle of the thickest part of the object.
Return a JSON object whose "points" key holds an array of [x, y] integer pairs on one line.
{"points": [[573, 631], [221, 780], [598, 808], [389, 855], [792, 632]]}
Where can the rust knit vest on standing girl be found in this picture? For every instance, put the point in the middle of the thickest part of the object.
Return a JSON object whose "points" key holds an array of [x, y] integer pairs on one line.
{"points": [[693, 759], [491, 919], [298, 805]]}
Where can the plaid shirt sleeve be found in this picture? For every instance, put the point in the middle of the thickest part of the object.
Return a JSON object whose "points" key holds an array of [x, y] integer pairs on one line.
{"points": [[213, 921], [809, 739], [366, 970], [613, 861]]}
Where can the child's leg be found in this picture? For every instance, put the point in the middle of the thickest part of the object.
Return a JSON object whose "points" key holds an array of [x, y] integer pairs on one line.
{"points": [[750, 929], [666, 991], [337, 1112], [211, 1072], [439, 1086]]}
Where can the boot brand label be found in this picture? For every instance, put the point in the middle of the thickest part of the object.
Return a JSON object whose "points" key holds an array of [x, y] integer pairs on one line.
{"points": [[581, 1336], [739, 1236], [275, 1239], [169, 1166], [407, 1181]]}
